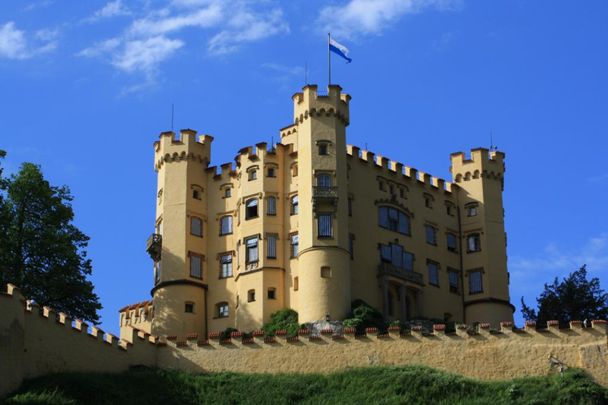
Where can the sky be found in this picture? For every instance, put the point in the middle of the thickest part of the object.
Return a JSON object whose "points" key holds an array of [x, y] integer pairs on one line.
{"points": [[88, 86]]}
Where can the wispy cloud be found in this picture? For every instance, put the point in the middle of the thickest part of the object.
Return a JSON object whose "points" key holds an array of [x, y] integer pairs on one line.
{"points": [[205, 17], [17, 44], [363, 17], [111, 9]]}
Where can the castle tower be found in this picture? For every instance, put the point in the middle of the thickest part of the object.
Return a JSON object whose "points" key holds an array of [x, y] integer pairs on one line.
{"points": [[178, 246], [323, 259], [484, 256]]}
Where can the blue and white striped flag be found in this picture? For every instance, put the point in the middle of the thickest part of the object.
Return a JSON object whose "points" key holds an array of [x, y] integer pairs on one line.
{"points": [[339, 49]]}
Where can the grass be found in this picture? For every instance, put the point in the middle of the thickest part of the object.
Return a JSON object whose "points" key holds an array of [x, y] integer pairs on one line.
{"points": [[377, 385]]}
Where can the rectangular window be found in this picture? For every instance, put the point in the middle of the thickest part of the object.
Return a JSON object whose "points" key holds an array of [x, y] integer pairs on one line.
{"points": [[324, 223], [253, 174], [452, 242], [271, 246], [156, 272], [196, 266], [272, 293], [351, 245], [471, 210], [222, 310], [228, 192], [394, 220], [251, 296], [196, 226], [350, 206], [323, 149], [294, 205], [324, 180], [295, 241], [454, 282], [475, 282], [431, 234], [386, 253], [226, 225], [226, 266], [251, 208], [296, 283], [251, 253], [271, 172], [473, 243], [433, 273], [271, 209], [189, 308], [408, 261], [397, 255]]}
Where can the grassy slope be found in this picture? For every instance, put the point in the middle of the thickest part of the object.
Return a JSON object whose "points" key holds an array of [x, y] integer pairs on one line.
{"points": [[385, 385]]}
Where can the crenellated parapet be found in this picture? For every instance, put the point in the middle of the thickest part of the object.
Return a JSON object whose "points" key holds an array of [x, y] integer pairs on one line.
{"points": [[310, 103], [404, 173], [482, 163], [189, 146]]}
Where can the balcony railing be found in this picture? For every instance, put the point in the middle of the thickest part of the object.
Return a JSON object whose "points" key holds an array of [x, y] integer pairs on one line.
{"points": [[154, 246], [387, 269], [324, 195]]}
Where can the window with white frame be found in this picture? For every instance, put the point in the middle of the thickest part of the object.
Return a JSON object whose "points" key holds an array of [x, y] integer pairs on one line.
{"points": [[222, 310], [473, 243], [226, 265], [226, 225], [294, 244], [293, 202], [251, 252]]}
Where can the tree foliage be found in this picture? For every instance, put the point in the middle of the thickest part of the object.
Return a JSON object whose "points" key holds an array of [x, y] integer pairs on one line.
{"points": [[574, 298], [364, 316], [41, 251], [283, 319]]}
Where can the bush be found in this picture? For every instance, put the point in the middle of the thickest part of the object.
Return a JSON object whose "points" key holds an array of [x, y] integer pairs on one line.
{"points": [[364, 316], [284, 319]]}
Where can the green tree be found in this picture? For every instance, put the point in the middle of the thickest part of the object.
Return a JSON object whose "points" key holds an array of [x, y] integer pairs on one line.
{"points": [[41, 251], [574, 298]]}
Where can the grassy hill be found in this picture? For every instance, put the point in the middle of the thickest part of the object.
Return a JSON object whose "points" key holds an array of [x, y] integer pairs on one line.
{"points": [[382, 385]]}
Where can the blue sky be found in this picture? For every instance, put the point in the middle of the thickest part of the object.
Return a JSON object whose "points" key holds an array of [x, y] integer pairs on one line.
{"points": [[88, 86]]}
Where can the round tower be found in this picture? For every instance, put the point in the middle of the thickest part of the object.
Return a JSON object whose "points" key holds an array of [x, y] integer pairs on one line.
{"points": [[323, 258], [178, 245], [483, 241]]}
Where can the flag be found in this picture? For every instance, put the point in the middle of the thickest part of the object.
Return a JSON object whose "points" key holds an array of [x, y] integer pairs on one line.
{"points": [[339, 49]]}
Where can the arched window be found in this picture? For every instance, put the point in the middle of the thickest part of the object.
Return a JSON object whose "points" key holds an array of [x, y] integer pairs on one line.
{"points": [[226, 225], [293, 202], [251, 208], [393, 220]]}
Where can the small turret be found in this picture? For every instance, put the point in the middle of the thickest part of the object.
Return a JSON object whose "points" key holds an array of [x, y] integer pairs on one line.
{"points": [[481, 180]]}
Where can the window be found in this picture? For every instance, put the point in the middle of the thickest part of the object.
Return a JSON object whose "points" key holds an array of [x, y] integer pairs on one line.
{"points": [[350, 206], [326, 272], [222, 310], [450, 209], [189, 307], [271, 209], [453, 279], [250, 295], [196, 266], [431, 234], [396, 255], [471, 209], [294, 170], [228, 192], [295, 241], [294, 205], [270, 172], [251, 252], [324, 224], [351, 245], [252, 174], [475, 282], [473, 243], [272, 293], [452, 242], [433, 269], [394, 220], [226, 265], [226, 225], [324, 180], [323, 149], [271, 246], [156, 272], [251, 208], [197, 192], [160, 196], [296, 283], [196, 226]]}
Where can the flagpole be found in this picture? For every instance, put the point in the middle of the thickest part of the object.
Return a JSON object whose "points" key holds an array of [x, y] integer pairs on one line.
{"points": [[328, 60]]}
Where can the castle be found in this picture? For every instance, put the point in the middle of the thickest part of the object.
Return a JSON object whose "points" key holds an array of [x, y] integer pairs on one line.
{"points": [[312, 224]]}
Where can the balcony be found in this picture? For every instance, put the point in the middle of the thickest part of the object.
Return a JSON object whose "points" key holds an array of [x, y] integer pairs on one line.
{"points": [[154, 246], [324, 196], [387, 269]]}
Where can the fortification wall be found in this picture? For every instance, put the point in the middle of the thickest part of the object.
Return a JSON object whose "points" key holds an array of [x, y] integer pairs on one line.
{"points": [[488, 355], [36, 341]]}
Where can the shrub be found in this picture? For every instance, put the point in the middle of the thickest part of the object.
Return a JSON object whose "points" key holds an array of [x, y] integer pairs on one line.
{"points": [[364, 316], [286, 319]]}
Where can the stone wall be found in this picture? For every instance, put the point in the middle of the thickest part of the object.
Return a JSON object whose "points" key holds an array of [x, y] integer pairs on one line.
{"points": [[36, 341]]}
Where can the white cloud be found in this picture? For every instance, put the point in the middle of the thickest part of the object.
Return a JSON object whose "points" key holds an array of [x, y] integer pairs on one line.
{"points": [[201, 18], [247, 26], [14, 43], [361, 17], [112, 9], [145, 55]]}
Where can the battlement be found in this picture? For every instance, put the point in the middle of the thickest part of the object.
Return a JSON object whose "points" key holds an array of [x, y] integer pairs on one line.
{"points": [[310, 103], [482, 163], [391, 167], [189, 146]]}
